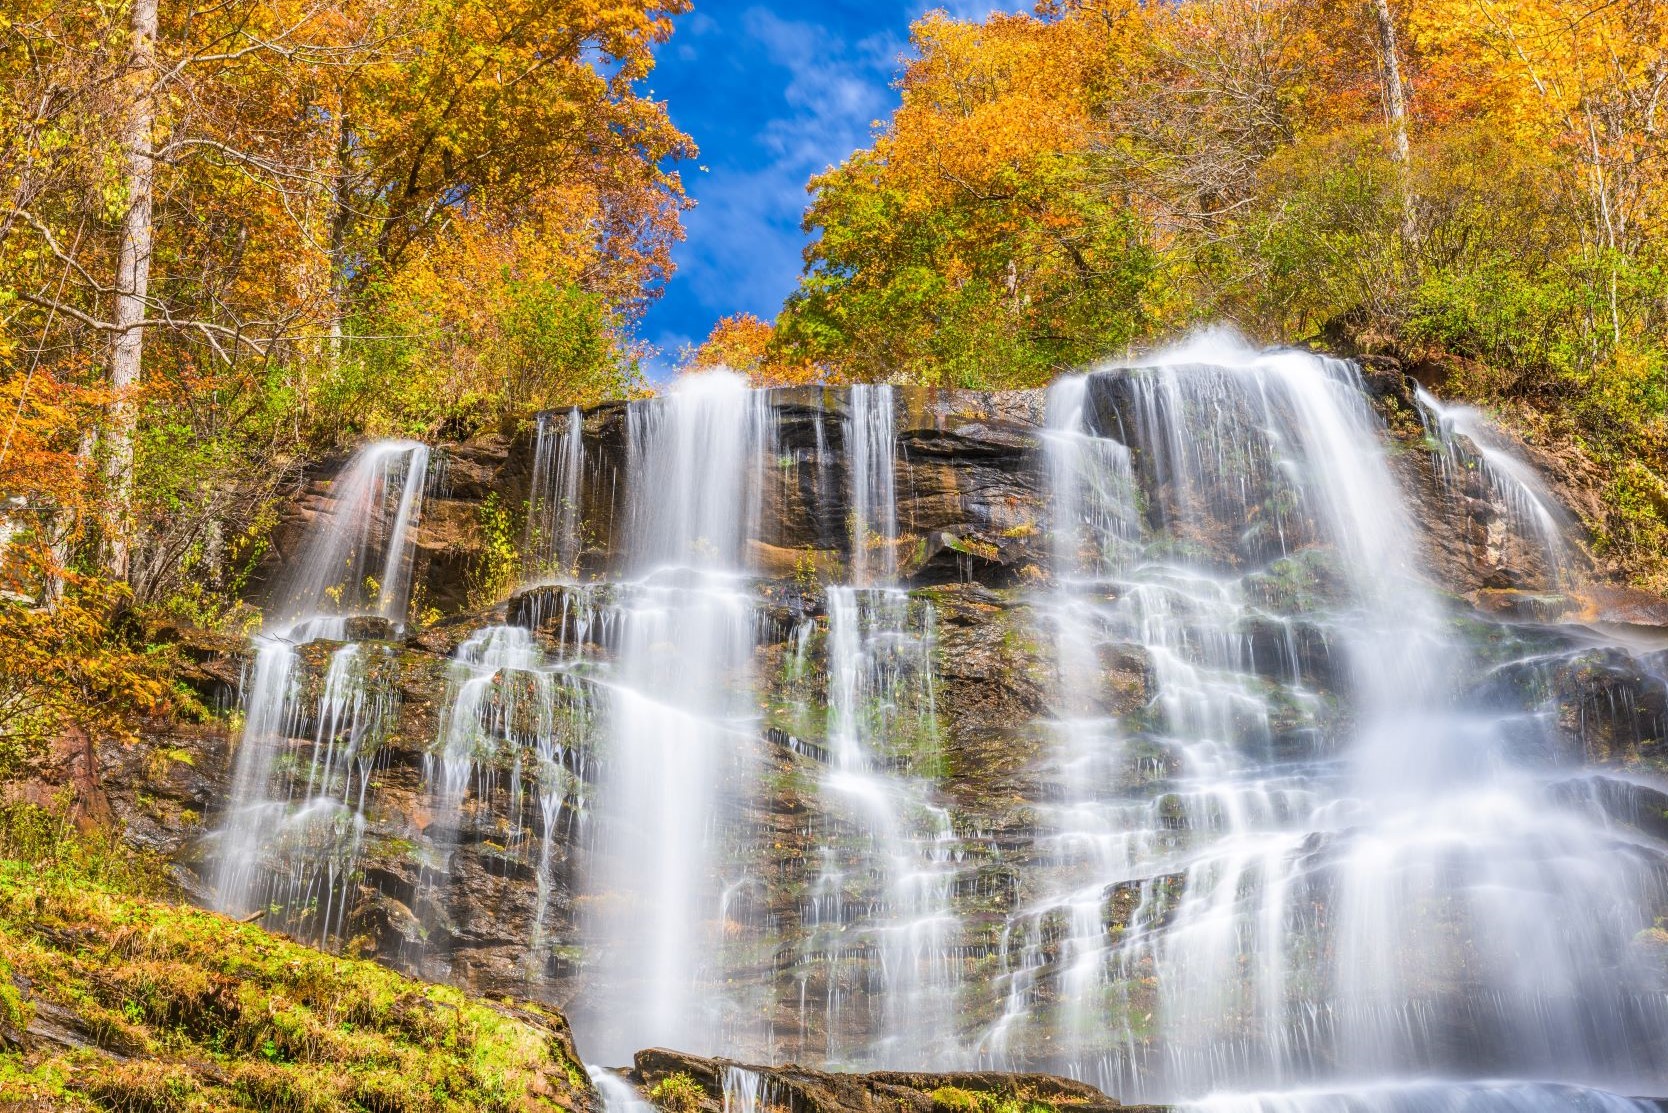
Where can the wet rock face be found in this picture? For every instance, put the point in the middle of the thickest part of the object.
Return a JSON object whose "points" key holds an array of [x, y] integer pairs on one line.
{"points": [[1468, 540], [461, 478], [463, 890], [971, 494], [1610, 706], [474, 929]]}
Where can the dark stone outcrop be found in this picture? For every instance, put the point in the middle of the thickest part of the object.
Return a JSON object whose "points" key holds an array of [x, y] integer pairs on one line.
{"points": [[793, 1089]]}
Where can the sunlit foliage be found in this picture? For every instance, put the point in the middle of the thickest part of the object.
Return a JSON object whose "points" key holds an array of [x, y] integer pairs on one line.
{"points": [[1059, 188], [359, 218]]}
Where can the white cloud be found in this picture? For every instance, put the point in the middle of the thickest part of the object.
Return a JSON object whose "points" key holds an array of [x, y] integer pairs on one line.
{"points": [[745, 232], [744, 246]]}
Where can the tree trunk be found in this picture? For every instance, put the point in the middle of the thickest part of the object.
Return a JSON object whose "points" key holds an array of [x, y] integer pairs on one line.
{"points": [[1395, 103], [133, 273], [341, 194]]}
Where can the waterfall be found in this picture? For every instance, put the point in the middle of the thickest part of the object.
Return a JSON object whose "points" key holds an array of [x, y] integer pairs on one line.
{"points": [[879, 912], [1303, 857], [1473, 461], [872, 442], [677, 757], [881, 739], [356, 559], [618, 1095], [512, 747], [554, 511], [747, 1091], [1277, 826], [290, 836], [1431, 1097]]}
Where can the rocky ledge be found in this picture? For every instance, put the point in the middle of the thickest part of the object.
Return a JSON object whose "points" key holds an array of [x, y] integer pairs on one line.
{"points": [[679, 1083]]}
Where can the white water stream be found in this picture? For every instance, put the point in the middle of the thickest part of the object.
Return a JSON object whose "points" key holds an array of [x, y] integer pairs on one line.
{"points": [[1261, 887], [290, 835], [1473, 461], [675, 756], [880, 928]]}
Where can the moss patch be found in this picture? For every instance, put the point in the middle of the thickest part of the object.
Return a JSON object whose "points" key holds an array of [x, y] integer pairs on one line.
{"points": [[953, 1099], [110, 1001]]}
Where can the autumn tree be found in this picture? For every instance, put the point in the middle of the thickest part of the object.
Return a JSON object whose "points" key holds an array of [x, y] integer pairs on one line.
{"points": [[236, 233], [1475, 184], [503, 203], [964, 248], [747, 345], [244, 224], [183, 158]]}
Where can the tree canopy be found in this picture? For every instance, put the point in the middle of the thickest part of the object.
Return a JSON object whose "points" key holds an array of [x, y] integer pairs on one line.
{"points": [[1474, 186], [232, 232]]}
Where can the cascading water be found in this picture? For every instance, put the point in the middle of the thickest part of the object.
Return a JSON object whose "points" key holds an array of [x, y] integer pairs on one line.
{"points": [[291, 832], [747, 1091], [677, 757], [1306, 858], [1431, 1097], [554, 511], [618, 1095], [880, 912], [1304, 838], [357, 557], [879, 919], [871, 445], [513, 742], [1473, 462]]}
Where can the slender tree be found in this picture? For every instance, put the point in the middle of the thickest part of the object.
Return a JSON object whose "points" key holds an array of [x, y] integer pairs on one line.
{"points": [[133, 276], [1395, 105]]}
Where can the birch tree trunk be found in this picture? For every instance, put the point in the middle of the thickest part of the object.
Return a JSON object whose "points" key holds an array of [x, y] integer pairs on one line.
{"points": [[1395, 103], [133, 271]]}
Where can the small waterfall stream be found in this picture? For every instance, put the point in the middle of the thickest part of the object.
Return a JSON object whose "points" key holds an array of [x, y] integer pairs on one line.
{"points": [[512, 746], [879, 915], [555, 516], [1473, 463], [291, 831], [1300, 835], [679, 719]]}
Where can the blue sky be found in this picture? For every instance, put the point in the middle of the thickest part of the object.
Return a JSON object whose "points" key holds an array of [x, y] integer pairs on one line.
{"points": [[772, 93]]}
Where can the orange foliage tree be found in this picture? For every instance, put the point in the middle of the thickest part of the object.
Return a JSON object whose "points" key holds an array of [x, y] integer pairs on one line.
{"points": [[260, 225], [1476, 178], [747, 345], [230, 234]]}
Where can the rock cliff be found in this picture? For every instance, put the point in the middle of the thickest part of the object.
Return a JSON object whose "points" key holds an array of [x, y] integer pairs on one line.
{"points": [[488, 890]]}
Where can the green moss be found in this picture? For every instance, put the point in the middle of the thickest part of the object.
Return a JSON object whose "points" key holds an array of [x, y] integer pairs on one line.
{"points": [[972, 546], [185, 1010], [953, 1099], [497, 567], [950, 1099]]}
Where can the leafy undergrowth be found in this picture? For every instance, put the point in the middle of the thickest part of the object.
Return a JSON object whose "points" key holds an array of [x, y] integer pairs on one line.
{"points": [[110, 1001]]}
